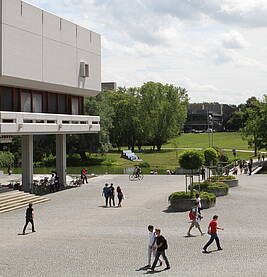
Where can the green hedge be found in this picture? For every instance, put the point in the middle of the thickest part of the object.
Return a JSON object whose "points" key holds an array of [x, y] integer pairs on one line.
{"points": [[186, 195], [221, 178]]}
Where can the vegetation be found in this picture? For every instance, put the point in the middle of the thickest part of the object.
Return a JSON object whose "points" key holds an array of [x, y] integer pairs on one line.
{"points": [[211, 187], [191, 159], [6, 159], [221, 178], [186, 195], [211, 156]]}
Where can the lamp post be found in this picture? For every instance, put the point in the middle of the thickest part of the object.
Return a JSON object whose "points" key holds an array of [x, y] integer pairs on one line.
{"points": [[211, 120]]}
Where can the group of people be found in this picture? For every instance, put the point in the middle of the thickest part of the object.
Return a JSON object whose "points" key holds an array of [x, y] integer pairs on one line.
{"points": [[244, 167], [196, 216], [109, 194]]}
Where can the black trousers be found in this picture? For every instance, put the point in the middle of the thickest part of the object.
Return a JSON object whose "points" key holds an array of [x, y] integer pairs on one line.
{"points": [[106, 197], [162, 253], [111, 198], [27, 222], [213, 237]]}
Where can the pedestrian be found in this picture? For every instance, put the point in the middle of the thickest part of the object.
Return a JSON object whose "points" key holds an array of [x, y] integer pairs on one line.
{"points": [[29, 218], [263, 156], [212, 231], [83, 176], [106, 193], [120, 196], [198, 201], [249, 168], [196, 217], [251, 161], [259, 157], [241, 166], [9, 170], [203, 173], [152, 249], [111, 195], [161, 246]]}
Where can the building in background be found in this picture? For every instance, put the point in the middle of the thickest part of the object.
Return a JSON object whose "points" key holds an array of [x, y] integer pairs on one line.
{"points": [[109, 86], [47, 66], [202, 117]]}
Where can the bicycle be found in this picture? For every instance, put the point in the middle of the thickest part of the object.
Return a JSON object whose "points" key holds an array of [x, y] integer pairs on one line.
{"points": [[139, 177]]}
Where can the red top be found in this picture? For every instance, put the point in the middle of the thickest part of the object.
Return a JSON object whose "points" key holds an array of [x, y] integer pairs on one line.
{"points": [[213, 226], [84, 171]]}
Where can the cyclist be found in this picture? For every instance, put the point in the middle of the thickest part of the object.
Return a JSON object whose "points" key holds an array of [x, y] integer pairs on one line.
{"points": [[137, 171]]}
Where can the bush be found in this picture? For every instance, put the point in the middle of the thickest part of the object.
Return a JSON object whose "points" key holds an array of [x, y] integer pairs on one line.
{"points": [[191, 159], [221, 178], [186, 195], [211, 156], [218, 186], [6, 158], [144, 165]]}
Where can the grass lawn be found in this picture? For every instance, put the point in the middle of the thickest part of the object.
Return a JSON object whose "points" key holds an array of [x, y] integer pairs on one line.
{"points": [[168, 158], [222, 140]]}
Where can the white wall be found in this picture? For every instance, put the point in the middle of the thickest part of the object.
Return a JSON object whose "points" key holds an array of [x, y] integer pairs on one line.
{"points": [[41, 47]]}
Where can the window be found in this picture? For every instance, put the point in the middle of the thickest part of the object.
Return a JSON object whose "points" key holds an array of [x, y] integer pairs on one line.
{"points": [[75, 105], [26, 102], [7, 99], [84, 69], [62, 106], [36, 103], [52, 103]]}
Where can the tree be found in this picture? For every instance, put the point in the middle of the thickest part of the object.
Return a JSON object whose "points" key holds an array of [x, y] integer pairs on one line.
{"points": [[211, 156], [191, 159], [163, 110]]}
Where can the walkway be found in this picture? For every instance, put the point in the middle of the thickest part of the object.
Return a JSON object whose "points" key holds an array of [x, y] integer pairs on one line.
{"points": [[76, 236]]}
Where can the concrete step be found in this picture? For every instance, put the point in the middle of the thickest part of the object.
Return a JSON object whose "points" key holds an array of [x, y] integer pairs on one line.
{"points": [[23, 205], [8, 193], [10, 201], [12, 196], [18, 199]]}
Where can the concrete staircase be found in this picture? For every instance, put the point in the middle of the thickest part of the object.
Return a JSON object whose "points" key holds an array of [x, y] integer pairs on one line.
{"points": [[15, 199]]}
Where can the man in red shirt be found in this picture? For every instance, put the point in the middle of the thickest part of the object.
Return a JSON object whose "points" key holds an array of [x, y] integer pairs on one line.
{"points": [[212, 230]]}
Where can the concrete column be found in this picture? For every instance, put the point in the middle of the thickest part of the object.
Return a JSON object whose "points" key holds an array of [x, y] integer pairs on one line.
{"points": [[27, 162], [61, 159]]}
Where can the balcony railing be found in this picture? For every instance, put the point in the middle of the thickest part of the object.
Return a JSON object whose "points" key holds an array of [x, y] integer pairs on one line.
{"points": [[22, 123]]}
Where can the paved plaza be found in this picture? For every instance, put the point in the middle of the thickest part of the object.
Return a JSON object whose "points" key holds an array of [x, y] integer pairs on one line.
{"points": [[77, 236]]}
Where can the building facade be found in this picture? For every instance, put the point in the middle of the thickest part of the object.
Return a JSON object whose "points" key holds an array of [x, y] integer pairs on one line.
{"points": [[47, 66], [202, 117]]}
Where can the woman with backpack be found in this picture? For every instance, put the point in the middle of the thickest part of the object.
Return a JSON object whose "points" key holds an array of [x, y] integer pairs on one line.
{"points": [[196, 217]]}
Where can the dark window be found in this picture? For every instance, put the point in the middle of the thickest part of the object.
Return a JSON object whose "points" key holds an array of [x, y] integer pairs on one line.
{"points": [[75, 105], [26, 101], [52, 103], [62, 105], [37, 102], [7, 99], [16, 100]]}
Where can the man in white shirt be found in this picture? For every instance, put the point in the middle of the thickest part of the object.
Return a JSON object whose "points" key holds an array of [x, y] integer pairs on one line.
{"points": [[152, 245]]}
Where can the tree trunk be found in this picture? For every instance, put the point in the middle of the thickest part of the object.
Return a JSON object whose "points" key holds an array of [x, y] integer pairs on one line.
{"points": [[83, 155], [159, 147]]}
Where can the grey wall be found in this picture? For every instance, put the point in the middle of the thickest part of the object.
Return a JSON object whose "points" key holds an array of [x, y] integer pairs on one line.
{"points": [[40, 48]]}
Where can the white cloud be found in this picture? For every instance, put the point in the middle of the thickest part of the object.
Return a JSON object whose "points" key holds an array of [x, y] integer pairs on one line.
{"points": [[215, 48]]}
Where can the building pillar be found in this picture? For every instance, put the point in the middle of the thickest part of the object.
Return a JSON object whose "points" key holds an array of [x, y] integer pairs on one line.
{"points": [[61, 159], [27, 163]]}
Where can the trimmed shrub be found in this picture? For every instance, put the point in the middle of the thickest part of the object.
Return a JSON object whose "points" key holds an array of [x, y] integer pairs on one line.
{"points": [[191, 159], [221, 178], [6, 158], [186, 195], [144, 165], [211, 156]]}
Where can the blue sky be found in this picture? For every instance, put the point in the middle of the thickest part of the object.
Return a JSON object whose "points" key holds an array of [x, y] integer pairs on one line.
{"points": [[216, 49]]}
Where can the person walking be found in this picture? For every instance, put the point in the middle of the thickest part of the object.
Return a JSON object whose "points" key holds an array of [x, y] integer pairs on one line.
{"points": [[120, 195], [29, 218], [212, 231], [152, 249], [83, 176], [263, 157], [111, 195], [196, 217], [161, 246], [249, 168], [106, 193]]}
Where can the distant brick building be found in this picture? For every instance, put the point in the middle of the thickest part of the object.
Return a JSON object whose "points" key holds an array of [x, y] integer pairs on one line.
{"points": [[204, 116]]}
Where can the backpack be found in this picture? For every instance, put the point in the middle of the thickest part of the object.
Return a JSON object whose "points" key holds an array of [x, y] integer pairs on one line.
{"points": [[165, 243], [192, 215]]}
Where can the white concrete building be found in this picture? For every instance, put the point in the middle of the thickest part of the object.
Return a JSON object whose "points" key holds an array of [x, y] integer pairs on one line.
{"points": [[47, 66]]}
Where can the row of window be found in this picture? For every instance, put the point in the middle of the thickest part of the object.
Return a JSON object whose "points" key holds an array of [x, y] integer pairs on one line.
{"points": [[22, 100]]}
